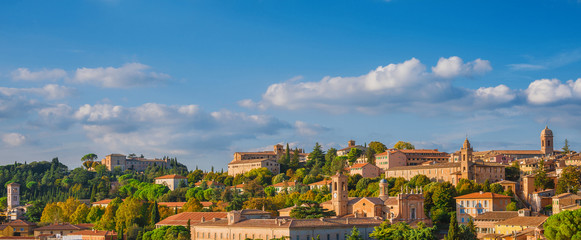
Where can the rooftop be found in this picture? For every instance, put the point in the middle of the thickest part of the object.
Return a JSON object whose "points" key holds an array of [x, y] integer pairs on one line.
{"points": [[496, 216], [524, 221], [181, 219], [173, 176], [62, 226], [486, 195]]}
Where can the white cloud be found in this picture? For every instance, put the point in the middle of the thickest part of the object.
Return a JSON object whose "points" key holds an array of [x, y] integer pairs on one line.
{"points": [[545, 91], [385, 88], [454, 66], [13, 139], [128, 75], [49, 91], [526, 66], [24, 74], [498, 94], [307, 129]]}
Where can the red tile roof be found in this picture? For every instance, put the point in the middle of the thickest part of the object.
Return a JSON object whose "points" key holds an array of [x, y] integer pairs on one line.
{"points": [[209, 183], [172, 204], [61, 226], [324, 182], [478, 195], [19, 222], [104, 201], [94, 233], [181, 219], [421, 151], [281, 184], [173, 176]]}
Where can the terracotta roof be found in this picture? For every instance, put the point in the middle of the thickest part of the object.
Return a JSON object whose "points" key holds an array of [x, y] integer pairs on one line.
{"points": [[281, 184], [324, 182], [391, 201], [173, 176], [374, 200], [253, 212], [486, 195], [16, 237], [411, 151], [207, 204], [181, 219], [296, 223], [93, 233], [418, 167], [172, 204], [19, 222], [251, 161], [512, 152], [567, 195], [496, 216], [209, 183], [505, 182], [104, 201], [358, 165], [61, 226], [524, 221]]}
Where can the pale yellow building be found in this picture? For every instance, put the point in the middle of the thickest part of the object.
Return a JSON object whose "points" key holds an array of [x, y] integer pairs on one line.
{"points": [[518, 224], [236, 227], [172, 181], [564, 201], [473, 204]]}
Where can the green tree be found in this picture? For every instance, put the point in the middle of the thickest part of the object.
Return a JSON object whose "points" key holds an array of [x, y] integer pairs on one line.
{"points": [[88, 160], [542, 181], [569, 181], [284, 159], [168, 232], [564, 225], [419, 180], [310, 209], [403, 145], [385, 231], [353, 154], [355, 235], [154, 215], [294, 161], [453, 230], [131, 212], [377, 147], [95, 214], [192, 205], [108, 220], [329, 157], [566, 147], [511, 207], [317, 157], [80, 215]]}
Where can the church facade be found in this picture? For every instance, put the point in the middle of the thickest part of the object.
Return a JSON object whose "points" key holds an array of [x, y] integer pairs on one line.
{"points": [[407, 206]]}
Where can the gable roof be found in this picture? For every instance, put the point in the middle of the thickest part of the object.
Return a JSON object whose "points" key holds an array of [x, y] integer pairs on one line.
{"points": [[19, 222], [486, 195], [360, 165], [524, 221], [496, 215], [181, 219], [93, 233], [61, 226], [173, 176]]}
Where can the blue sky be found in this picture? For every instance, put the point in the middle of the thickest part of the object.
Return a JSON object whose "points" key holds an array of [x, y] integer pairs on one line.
{"points": [[199, 80]]}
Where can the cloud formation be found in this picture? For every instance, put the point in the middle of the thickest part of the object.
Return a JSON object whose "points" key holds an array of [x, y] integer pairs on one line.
{"points": [[24, 74], [386, 87], [13, 139], [128, 75], [545, 91]]}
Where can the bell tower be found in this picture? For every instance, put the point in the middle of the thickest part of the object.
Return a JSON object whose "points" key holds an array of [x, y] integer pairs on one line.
{"points": [[13, 195], [339, 194], [466, 159], [383, 189], [547, 141]]}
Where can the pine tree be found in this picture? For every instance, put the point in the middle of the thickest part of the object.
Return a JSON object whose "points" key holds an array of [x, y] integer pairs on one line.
{"points": [[566, 147], [294, 161]]}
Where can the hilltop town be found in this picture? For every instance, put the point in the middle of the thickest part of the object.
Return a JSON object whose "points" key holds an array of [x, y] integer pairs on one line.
{"points": [[368, 191]]}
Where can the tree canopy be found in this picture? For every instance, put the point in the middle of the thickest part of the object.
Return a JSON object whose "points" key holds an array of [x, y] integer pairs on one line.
{"points": [[403, 145]]}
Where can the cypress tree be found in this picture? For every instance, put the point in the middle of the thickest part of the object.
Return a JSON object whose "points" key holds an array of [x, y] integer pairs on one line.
{"points": [[154, 216], [453, 231]]}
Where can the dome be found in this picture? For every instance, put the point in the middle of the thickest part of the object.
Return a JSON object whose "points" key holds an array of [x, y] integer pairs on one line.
{"points": [[382, 181], [546, 132]]}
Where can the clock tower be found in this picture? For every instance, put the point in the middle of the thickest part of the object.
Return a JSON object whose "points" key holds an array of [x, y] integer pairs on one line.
{"points": [[339, 194]]}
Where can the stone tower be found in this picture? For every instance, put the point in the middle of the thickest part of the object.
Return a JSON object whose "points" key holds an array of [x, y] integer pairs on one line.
{"points": [[547, 141], [339, 194], [351, 143], [13, 195], [383, 189], [466, 159]]}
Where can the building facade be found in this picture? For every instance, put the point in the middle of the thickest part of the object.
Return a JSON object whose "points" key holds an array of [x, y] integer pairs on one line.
{"points": [[473, 204], [366, 170], [112, 161], [172, 181], [390, 158], [419, 156], [246, 161]]}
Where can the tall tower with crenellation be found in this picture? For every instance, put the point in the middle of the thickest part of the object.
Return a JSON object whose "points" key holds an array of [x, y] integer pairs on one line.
{"points": [[13, 195]]}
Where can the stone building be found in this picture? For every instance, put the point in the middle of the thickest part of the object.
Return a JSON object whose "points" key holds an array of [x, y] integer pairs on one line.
{"points": [[390, 158], [419, 156], [245, 161], [350, 145], [236, 227], [407, 206], [564, 201], [366, 170], [172, 181], [112, 161], [473, 204], [486, 223], [19, 228], [451, 172]]}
